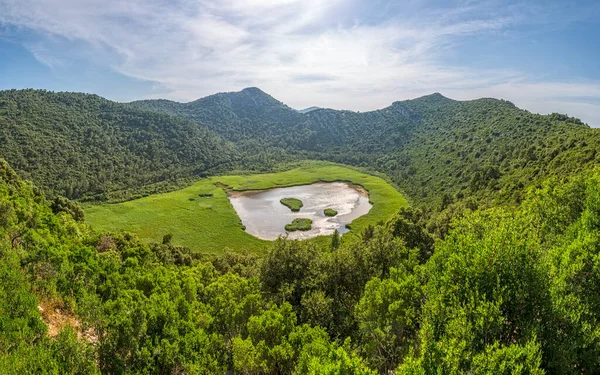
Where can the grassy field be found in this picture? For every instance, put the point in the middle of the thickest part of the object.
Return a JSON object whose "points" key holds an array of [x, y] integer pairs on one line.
{"points": [[200, 216]]}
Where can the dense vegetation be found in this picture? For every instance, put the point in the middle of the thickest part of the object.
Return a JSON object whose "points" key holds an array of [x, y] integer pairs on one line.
{"points": [[437, 150], [80, 145], [330, 212], [494, 269], [509, 290], [294, 204], [299, 224]]}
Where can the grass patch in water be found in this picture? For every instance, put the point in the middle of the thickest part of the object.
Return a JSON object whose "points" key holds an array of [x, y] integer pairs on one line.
{"points": [[330, 212], [293, 204], [299, 224]]}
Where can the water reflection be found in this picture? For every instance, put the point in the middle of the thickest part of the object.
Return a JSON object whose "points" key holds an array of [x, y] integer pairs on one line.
{"points": [[265, 218]]}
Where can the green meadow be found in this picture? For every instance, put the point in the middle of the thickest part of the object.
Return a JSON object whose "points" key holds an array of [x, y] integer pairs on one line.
{"points": [[201, 218]]}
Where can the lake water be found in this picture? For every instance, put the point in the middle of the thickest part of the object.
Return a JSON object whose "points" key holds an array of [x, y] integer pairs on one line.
{"points": [[265, 217]]}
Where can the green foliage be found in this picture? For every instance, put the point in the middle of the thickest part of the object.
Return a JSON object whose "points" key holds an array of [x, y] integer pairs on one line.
{"points": [[20, 320], [409, 225], [389, 316], [330, 212], [480, 287], [80, 145], [299, 224], [293, 204], [335, 240], [336, 361], [62, 204], [434, 148]]}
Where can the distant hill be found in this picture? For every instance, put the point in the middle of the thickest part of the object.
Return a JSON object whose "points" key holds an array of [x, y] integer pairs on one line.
{"points": [[250, 113], [309, 109], [80, 145]]}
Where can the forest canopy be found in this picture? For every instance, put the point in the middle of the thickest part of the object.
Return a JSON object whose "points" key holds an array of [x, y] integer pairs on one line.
{"points": [[506, 290], [494, 268]]}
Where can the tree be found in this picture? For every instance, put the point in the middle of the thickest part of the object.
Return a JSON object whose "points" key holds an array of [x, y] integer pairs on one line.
{"points": [[335, 240], [388, 315]]}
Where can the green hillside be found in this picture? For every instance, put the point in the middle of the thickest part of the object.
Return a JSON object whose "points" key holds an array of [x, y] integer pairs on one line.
{"points": [[431, 147], [81, 145], [509, 290], [437, 150]]}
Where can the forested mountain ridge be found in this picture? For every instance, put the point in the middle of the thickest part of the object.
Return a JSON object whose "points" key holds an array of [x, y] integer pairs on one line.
{"points": [[431, 147], [435, 149], [251, 114], [237, 116], [78, 144], [309, 109]]}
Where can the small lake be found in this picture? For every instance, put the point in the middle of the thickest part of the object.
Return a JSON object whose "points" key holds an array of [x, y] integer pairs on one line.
{"points": [[265, 217]]}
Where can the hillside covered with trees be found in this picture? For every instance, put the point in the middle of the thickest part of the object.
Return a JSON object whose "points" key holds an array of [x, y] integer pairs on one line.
{"points": [[81, 145], [436, 150], [509, 290], [493, 269], [433, 148]]}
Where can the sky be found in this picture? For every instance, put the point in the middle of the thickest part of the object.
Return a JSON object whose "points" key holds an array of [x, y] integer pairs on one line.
{"points": [[360, 55]]}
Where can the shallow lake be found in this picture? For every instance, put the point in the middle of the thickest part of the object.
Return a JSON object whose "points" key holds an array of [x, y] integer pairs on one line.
{"points": [[265, 217]]}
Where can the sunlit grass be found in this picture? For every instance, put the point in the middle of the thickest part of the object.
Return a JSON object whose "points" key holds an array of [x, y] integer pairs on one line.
{"points": [[208, 223]]}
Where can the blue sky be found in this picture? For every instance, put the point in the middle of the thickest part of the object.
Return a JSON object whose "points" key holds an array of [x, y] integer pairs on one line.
{"points": [[347, 54]]}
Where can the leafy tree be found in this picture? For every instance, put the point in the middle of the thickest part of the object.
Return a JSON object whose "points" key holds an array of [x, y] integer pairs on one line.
{"points": [[389, 316], [62, 204]]}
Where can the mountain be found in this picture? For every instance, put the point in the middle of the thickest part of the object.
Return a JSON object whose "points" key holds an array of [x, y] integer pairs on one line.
{"points": [[80, 145], [430, 147], [435, 149], [237, 116], [474, 285]]}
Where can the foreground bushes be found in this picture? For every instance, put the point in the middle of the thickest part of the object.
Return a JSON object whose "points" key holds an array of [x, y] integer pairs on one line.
{"points": [[508, 290]]}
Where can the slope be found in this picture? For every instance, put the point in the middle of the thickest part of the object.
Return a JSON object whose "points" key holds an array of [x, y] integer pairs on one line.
{"points": [[434, 148], [80, 145]]}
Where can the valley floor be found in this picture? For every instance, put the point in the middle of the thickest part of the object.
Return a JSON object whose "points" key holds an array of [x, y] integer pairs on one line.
{"points": [[201, 217]]}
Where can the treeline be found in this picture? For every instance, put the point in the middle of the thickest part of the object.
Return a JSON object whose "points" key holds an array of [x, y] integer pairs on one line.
{"points": [[507, 290]]}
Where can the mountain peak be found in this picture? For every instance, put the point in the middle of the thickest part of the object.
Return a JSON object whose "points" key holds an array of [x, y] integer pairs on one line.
{"points": [[255, 93], [436, 96], [253, 90]]}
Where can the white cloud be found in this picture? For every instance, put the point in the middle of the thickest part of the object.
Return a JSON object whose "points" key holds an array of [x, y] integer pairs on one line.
{"points": [[304, 52]]}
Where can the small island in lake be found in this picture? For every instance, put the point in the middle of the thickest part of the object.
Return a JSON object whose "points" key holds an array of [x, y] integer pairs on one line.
{"points": [[299, 224], [330, 212], [293, 204]]}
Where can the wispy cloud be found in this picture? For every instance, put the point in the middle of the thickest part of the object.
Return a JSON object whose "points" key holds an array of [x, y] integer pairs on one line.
{"points": [[337, 53]]}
